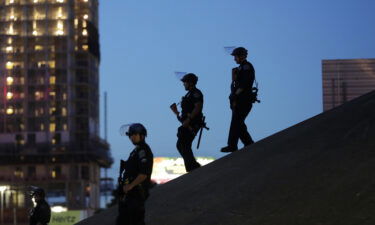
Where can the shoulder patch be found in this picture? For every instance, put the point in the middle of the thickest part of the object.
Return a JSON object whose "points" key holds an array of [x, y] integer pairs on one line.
{"points": [[141, 153]]}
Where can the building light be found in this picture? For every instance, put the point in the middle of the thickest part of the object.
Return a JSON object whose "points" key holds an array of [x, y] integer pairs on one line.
{"points": [[9, 65], [38, 47], [10, 111], [60, 1], [59, 13], [85, 0], [64, 112], [35, 33], [52, 80], [42, 127], [9, 49], [11, 30], [9, 95], [84, 32], [76, 23], [85, 47], [11, 1], [52, 127], [86, 16], [65, 126], [84, 24], [60, 28], [53, 174], [10, 41], [58, 209], [35, 1]]}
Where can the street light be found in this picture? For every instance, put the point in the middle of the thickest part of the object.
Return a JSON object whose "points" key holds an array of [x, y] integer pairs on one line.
{"points": [[2, 189]]}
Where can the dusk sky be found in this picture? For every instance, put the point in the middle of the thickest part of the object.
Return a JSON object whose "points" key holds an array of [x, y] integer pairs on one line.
{"points": [[144, 42]]}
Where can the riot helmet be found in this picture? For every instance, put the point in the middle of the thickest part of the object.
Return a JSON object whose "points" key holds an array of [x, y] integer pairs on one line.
{"points": [[240, 51], [134, 128], [190, 78]]}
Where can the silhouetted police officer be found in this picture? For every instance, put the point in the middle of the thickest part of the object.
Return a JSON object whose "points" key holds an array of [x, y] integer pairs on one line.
{"points": [[41, 213], [191, 119], [136, 178], [240, 100]]}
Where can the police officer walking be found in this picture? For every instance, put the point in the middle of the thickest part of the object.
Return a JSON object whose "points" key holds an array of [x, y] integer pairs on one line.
{"points": [[191, 119], [136, 179], [41, 213], [241, 100]]}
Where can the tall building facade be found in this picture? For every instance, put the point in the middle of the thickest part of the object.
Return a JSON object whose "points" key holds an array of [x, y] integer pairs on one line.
{"points": [[346, 79], [49, 109]]}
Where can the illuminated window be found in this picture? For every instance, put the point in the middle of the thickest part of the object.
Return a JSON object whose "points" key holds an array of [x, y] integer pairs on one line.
{"points": [[9, 65], [59, 13], [10, 111], [60, 1], [52, 110], [41, 126], [39, 95], [22, 80], [86, 16], [85, 47], [52, 80], [18, 172], [10, 80], [10, 30], [11, 1], [38, 47], [65, 126], [64, 111], [10, 41], [84, 32], [35, 1], [64, 96], [52, 127], [84, 24], [9, 49], [60, 28], [9, 95], [85, 0]]}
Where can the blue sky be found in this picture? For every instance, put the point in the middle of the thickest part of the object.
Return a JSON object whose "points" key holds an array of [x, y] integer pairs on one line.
{"points": [[144, 42]]}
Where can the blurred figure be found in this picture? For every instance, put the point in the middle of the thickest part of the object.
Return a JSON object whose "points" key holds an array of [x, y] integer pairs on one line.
{"points": [[136, 180], [241, 100], [41, 213]]}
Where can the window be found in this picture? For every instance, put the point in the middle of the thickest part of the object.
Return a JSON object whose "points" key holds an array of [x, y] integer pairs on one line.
{"points": [[85, 172], [31, 139], [31, 171]]}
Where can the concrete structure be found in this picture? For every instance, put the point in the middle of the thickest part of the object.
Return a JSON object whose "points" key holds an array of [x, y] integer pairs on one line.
{"points": [[49, 106], [346, 79], [320, 171]]}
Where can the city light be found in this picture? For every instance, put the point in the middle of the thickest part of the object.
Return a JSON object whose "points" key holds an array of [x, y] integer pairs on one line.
{"points": [[10, 80], [11, 30], [9, 65], [58, 209], [3, 188], [60, 28], [85, 16], [9, 49], [9, 95], [10, 111], [84, 32]]}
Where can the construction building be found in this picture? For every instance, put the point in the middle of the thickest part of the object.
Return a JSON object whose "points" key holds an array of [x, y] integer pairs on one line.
{"points": [[345, 79], [49, 106]]}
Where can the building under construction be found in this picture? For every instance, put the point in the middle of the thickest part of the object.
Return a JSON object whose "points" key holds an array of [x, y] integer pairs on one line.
{"points": [[49, 109], [346, 79]]}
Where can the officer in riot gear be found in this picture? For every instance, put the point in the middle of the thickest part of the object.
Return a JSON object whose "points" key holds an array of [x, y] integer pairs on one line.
{"points": [[41, 213], [191, 118], [241, 98], [136, 179]]}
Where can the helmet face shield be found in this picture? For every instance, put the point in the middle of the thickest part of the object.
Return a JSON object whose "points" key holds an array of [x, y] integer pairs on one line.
{"points": [[132, 128], [179, 75], [229, 49]]}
